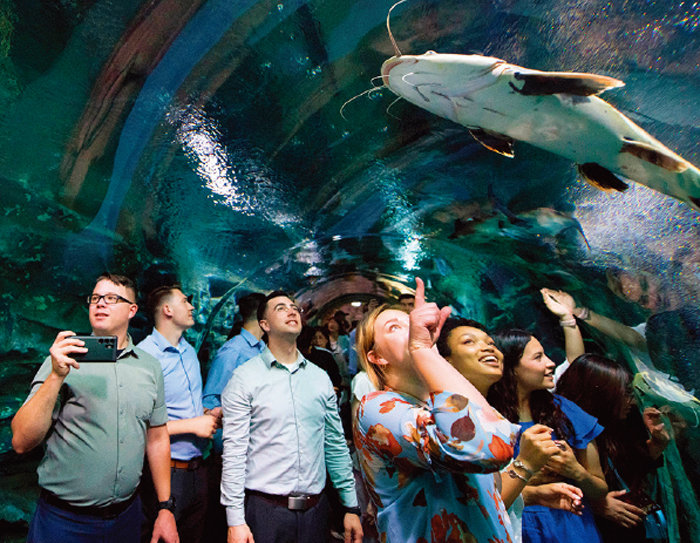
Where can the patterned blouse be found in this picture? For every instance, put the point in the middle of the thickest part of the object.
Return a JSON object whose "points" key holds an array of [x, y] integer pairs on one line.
{"points": [[428, 467]]}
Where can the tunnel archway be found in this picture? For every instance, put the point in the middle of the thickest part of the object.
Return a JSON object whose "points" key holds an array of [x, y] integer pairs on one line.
{"points": [[205, 140]]}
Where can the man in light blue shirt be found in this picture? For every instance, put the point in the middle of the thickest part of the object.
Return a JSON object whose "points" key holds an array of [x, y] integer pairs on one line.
{"points": [[281, 433], [188, 425], [239, 348]]}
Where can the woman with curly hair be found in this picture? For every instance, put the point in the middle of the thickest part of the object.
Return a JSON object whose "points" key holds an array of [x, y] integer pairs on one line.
{"points": [[426, 436], [523, 396]]}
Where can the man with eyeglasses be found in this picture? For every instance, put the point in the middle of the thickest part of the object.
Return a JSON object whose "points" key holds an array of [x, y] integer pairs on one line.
{"points": [[282, 432], [99, 419], [189, 425]]}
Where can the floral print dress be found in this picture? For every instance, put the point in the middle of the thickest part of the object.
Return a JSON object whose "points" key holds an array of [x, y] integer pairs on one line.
{"points": [[428, 467]]}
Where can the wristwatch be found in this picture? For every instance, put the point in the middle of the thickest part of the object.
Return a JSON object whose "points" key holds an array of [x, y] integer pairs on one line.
{"points": [[353, 510], [168, 504]]}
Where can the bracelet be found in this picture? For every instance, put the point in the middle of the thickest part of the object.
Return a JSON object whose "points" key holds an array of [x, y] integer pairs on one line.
{"points": [[568, 323], [514, 475], [353, 510], [583, 313], [519, 464]]}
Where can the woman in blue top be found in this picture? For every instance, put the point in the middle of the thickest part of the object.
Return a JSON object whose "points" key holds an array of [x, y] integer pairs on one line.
{"points": [[523, 396]]}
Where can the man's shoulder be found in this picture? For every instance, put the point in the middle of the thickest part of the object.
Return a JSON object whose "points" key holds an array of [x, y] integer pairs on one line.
{"points": [[236, 342], [231, 348], [147, 345], [251, 367], [145, 357]]}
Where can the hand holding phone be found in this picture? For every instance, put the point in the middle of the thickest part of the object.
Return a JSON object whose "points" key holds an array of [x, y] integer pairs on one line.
{"points": [[99, 349], [65, 347]]}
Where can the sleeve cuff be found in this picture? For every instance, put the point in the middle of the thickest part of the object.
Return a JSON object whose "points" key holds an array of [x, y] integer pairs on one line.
{"points": [[348, 499], [234, 516], [209, 402]]}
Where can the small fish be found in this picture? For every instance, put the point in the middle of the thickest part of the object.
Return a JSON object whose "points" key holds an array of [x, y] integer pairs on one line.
{"points": [[500, 103]]}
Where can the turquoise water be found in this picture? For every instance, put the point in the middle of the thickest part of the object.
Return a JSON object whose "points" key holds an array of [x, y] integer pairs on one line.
{"points": [[206, 142]]}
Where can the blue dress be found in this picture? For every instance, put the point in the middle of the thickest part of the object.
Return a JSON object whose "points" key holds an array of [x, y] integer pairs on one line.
{"points": [[543, 524]]}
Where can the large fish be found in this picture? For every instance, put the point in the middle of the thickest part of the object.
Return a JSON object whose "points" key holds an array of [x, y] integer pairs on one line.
{"points": [[557, 111]]}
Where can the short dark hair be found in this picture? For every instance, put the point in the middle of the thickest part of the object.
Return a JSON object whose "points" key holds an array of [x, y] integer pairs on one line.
{"points": [[157, 295], [263, 306], [406, 296], [248, 310], [121, 280], [248, 305], [451, 324]]}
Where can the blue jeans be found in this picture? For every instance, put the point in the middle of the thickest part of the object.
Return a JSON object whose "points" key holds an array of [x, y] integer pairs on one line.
{"points": [[51, 523]]}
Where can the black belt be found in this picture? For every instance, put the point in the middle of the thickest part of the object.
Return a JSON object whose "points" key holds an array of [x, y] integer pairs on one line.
{"points": [[291, 502], [189, 465], [106, 511]]}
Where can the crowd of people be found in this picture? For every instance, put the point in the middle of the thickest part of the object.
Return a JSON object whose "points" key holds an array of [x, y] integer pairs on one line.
{"points": [[410, 425]]}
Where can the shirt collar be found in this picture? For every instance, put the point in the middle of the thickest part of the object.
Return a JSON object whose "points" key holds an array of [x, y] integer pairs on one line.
{"points": [[250, 338], [128, 349], [269, 359], [163, 344]]}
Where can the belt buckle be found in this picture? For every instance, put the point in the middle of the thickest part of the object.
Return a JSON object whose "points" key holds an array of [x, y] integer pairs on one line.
{"points": [[297, 503]]}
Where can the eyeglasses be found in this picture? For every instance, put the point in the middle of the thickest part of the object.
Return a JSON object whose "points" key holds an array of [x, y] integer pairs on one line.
{"points": [[279, 308], [110, 299]]}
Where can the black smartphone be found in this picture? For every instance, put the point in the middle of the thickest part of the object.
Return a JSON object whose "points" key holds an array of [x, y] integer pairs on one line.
{"points": [[99, 349]]}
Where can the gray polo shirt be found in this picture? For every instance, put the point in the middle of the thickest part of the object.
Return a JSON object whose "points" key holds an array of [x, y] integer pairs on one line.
{"points": [[97, 441]]}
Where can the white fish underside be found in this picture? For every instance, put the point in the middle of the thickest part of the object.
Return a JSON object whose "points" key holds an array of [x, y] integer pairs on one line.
{"points": [[498, 100]]}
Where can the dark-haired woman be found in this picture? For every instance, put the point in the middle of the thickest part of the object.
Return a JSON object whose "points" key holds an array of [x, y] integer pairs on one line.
{"points": [[523, 396], [467, 345], [630, 448]]}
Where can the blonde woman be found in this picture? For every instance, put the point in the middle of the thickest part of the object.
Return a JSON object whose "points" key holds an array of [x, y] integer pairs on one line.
{"points": [[426, 434]]}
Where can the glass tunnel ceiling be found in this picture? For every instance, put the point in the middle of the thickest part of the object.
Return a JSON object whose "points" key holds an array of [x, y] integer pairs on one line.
{"points": [[204, 140], [207, 137]]}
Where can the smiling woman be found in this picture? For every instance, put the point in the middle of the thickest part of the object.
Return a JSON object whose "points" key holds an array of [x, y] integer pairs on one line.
{"points": [[523, 396]]}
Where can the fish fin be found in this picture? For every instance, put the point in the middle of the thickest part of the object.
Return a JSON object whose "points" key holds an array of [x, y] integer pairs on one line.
{"points": [[664, 158], [600, 177], [498, 143], [580, 84]]}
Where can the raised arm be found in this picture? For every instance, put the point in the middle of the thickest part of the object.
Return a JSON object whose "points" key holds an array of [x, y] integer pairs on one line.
{"points": [[33, 420], [425, 324], [562, 305], [612, 328]]}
